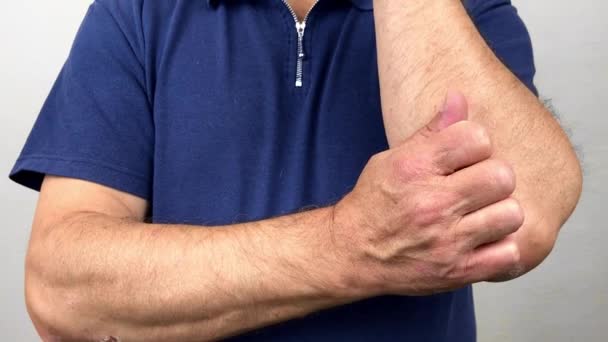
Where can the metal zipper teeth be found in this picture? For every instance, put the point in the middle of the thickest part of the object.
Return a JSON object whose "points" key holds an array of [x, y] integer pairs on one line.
{"points": [[300, 29]]}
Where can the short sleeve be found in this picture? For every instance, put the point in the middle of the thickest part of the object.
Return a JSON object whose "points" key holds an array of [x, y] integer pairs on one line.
{"points": [[97, 122], [507, 35]]}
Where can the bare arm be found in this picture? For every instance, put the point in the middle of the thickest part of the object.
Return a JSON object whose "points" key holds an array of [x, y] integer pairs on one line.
{"points": [[426, 48], [95, 270]]}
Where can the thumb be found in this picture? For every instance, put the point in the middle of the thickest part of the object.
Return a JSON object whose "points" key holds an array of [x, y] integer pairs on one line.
{"points": [[454, 109]]}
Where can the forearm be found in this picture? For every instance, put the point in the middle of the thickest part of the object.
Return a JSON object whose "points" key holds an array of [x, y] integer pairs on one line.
{"points": [[426, 48], [96, 276]]}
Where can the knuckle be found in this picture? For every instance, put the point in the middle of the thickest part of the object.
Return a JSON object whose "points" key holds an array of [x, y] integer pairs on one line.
{"points": [[484, 219], [503, 176], [427, 132], [377, 158], [515, 212], [407, 167], [467, 266], [373, 159], [441, 157], [448, 269], [514, 254], [428, 210], [479, 136]]}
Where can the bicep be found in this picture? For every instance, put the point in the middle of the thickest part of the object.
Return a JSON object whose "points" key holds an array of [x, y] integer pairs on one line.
{"points": [[61, 197]]}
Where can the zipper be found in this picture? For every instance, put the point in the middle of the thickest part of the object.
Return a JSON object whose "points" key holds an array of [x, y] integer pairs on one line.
{"points": [[300, 29]]}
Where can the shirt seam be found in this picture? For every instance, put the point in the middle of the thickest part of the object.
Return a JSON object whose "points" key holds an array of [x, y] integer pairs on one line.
{"points": [[125, 171]]}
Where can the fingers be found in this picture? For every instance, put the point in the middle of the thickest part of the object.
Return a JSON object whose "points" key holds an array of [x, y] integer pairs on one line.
{"points": [[455, 109], [461, 145], [493, 261], [492, 223], [482, 184], [451, 141]]}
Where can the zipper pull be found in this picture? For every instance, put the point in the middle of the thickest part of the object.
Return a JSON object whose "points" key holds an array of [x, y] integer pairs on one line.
{"points": [[300, 28]]}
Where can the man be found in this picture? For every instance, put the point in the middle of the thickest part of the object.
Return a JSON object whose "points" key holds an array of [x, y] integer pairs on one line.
{"points": [[183, 139]]}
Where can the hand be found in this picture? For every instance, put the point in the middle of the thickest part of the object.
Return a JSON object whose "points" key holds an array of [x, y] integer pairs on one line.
{"points": [[433, 214]]}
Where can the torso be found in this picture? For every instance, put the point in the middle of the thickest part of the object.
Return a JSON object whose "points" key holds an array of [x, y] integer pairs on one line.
{"points": [[237, 141], [200, 111]]}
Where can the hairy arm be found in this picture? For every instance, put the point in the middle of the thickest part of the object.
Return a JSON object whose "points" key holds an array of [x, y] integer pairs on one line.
{"points": [[427, 48], [95, 270]]}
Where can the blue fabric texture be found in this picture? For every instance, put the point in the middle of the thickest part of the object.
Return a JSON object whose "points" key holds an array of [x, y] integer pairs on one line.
{"points": [[191, 104]]}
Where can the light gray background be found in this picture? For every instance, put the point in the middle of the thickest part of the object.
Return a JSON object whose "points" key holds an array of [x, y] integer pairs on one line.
{"points": [[566, 299]]}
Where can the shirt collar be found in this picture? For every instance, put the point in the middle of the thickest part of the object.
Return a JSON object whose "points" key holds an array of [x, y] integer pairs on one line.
{"points": [[366, 5]]}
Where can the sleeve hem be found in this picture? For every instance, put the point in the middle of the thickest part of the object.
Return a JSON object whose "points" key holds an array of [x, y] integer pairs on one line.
{"points": [[29, 171]]}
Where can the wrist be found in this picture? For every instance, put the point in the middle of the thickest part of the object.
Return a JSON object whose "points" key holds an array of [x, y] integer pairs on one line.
{"points": [[354, 276], [332, 264]]}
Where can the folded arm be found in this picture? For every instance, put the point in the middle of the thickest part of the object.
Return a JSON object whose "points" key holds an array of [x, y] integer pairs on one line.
{"points": [[427, 48], [95, 270]]}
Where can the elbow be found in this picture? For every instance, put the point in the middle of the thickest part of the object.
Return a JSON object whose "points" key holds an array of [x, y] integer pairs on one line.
{"points": [[539, 235], [64, 296], [52, 307], [40, 314], [571, 188], [38, 300], [577, 183], [554, 211], [538, 245]]}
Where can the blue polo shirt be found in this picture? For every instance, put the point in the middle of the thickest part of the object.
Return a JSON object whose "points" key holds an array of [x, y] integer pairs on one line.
{"points": [[196, 107]]}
